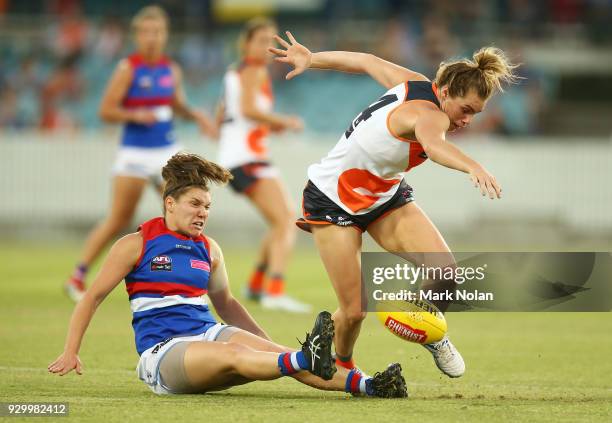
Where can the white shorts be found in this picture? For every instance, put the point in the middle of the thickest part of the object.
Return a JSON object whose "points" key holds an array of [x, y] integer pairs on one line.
{"points": [[144, 163], [148, 366]]}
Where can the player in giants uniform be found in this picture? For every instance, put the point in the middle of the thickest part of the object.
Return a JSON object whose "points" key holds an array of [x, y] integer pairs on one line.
{"points": [[246, 118], [360, 184], [144, 93], [168, 265]]}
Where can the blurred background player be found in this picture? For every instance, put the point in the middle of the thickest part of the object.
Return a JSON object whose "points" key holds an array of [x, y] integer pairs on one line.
{"points": [[246, 118], [144, 94], [360, 183], [182, 347]]}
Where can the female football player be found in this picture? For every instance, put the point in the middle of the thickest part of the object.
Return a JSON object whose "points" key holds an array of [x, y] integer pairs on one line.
{"points": [[167, 266], [144, 94], [359, 184], [246, 118]]}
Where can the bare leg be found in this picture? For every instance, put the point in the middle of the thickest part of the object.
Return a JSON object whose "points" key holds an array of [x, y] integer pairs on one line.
{"points": [[263, 257], [408, 232], [270, 198], [340, 250], [336, 384], [218, 365]]}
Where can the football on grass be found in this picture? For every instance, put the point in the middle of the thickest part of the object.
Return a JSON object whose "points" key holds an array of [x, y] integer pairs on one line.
{"points": [[414, 321]]}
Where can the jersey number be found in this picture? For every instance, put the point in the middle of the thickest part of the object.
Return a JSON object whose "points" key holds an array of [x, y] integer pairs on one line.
{"points": [[367, 113]]}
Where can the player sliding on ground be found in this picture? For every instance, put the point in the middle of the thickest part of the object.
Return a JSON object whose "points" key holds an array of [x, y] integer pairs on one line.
{"points": [[167, 266], [360, 185]]}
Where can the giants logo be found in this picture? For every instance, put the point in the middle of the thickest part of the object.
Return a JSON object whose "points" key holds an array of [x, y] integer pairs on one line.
{"points": [[255, 140], [405, 331], [357, 188]]}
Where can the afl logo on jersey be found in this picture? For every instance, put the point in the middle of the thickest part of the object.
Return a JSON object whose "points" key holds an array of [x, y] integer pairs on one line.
{"points": [[163, 263], [145, 81]]}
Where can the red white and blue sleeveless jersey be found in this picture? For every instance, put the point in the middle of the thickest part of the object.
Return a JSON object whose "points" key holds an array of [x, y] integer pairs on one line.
{"points": [[152, 87], [166, 285]]}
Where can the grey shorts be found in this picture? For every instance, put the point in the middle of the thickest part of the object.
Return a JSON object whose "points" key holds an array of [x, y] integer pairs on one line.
{"points": [[162, 367]]}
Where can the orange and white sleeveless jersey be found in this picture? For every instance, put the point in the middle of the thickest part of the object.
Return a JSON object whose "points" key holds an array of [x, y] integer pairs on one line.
{"points": [[365, 168], [242, 140]]}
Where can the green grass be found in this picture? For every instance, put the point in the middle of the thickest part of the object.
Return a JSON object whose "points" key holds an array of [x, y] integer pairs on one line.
{"points": [[520, 366]]}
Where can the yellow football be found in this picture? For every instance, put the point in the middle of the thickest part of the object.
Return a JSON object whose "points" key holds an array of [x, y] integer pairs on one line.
{"points": [[414, 321]]}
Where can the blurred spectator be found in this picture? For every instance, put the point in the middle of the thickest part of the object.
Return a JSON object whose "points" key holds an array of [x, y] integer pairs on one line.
{"points": [[517, 110], [110, 39], [600, 18], [25, 83], [437, 44], [69, 36], [35, 92], [200, 56], [567, 11], [8, 108], [523, 16], [60, 96], [396, 43]]}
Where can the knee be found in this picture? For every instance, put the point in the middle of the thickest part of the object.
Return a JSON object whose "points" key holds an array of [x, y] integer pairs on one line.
{"points": [[285, 225], [288, 219], [117, 223], [235, 350], [353, 316], [397, 246], [234, 355]]}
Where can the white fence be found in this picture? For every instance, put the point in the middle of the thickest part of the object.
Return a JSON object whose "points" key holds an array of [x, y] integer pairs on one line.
{"points": [[50, 183]]}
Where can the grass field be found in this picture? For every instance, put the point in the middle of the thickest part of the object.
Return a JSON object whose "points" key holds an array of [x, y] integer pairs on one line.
{"points": [[520, 366]]}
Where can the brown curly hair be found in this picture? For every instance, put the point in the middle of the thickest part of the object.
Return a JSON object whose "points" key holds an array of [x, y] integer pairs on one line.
{"points": [[185, 170]]}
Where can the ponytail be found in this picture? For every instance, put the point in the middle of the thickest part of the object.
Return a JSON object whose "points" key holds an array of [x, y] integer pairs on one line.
{"points": [[485, 73]]}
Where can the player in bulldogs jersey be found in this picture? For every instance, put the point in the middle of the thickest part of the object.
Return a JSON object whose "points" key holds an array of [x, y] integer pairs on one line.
{"points": [[246, 118], [168, 265], [360, 183], [144, 94]]}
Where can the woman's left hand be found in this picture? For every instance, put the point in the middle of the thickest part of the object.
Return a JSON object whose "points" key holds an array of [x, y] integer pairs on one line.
{"points": [[206, 124], [295, 54], [65, 363]]}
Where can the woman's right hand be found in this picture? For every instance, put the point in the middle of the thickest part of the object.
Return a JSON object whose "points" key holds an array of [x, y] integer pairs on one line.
{"points": [[485, 181], [143, 117], [292, 123], [65, 363], [295, 54]]}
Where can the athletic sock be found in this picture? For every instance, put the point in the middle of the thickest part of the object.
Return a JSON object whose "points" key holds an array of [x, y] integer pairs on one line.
{"points": [[79, 273], [358, 383], [276, 285], [256, 281], [346, 362], [290, 363]]}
